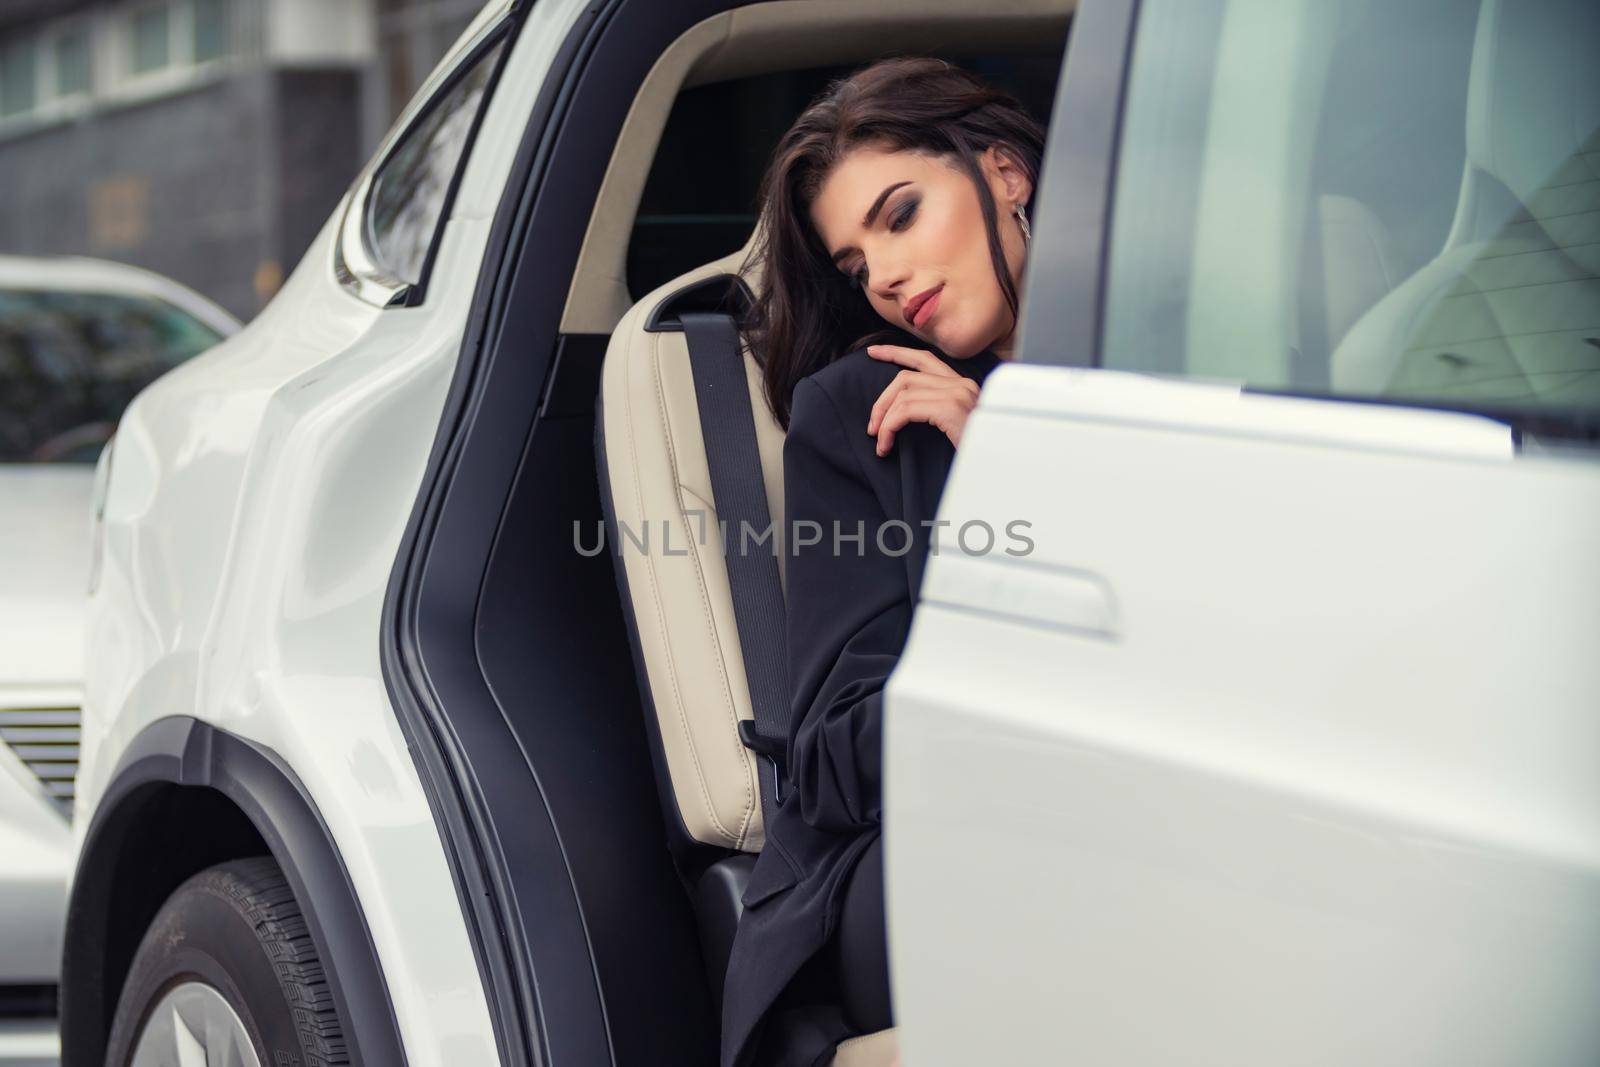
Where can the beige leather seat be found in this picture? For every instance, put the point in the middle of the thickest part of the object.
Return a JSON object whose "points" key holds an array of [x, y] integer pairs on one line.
{"points": [[1510, 309], [682, 609], [663, 518]]}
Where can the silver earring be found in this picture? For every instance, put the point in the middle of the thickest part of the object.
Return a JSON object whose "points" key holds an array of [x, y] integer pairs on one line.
{"points": [[1022, 221]]}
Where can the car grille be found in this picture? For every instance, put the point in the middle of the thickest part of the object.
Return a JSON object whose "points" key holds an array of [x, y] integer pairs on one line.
{"points": [[46, 741]]}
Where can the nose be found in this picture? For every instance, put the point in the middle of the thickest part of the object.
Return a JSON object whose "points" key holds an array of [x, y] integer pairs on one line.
{"points": [[887, 277]]}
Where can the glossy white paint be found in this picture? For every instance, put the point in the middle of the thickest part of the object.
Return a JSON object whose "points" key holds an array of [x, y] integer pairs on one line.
{"points": [[256, 500], [35, 853], [30, 1043], [44, 517], [83, 274], [1321, 788], [44, 566]]}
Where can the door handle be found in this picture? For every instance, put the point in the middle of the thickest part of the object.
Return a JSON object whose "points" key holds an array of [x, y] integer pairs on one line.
{"points": [[1024, 591]]}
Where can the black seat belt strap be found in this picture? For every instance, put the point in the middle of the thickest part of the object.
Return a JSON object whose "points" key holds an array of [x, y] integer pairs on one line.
{"points": [[740, 497]]}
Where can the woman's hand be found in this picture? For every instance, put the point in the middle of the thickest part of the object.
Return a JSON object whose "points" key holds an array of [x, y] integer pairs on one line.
{"points": [[927, 391]]}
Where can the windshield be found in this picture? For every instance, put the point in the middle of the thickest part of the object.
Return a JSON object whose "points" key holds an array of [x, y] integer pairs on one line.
{"points": [[71, 361], [1393, 199]]}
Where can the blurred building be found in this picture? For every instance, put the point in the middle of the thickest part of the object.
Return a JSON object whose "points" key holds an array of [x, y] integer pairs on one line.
{"points": [[204, 139]]}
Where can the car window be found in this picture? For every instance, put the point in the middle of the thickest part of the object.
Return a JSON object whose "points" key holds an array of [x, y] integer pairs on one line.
{"points": [[71, 361], [409, 190], [699, 202], [1367, 199]]}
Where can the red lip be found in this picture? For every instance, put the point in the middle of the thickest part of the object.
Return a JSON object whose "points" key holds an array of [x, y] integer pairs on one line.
{"points": [[914, 305]]}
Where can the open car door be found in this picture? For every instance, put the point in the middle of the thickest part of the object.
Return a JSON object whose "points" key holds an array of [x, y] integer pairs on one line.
{"points": [[1250, 714]]}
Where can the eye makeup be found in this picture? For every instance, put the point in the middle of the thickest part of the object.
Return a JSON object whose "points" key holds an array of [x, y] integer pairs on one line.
{"points": [[899, 219]]}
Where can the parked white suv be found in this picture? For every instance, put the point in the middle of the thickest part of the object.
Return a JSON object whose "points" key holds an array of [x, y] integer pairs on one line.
{"points": [[78, 338], [1280, 745]]}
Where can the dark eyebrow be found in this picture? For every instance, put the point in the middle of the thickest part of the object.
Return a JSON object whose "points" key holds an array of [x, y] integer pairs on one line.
{"points": [[872, 213]]}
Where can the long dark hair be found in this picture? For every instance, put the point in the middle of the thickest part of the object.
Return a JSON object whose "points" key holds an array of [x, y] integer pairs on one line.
{"points": [[807, 313]]}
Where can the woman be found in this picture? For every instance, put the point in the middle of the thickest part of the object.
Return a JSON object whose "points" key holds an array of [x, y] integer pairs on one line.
{"points": [[893, 211]]}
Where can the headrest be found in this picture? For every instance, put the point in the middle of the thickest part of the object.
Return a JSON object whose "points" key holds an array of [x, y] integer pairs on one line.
{"points": [[1533, 101], [706, 288]]}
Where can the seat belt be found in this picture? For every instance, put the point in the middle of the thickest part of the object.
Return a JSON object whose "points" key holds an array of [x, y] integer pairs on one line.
{"points": [[740, 496]]}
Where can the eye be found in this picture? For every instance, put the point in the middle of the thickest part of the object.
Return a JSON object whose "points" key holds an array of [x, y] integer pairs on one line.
{"points": [[903, 217], [858, 277]]}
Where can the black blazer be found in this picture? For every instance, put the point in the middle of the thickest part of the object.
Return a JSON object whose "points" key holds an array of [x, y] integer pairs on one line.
{"points": [[848, 618]]}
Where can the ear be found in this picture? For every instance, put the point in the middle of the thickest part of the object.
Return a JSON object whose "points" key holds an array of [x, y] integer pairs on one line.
{"points": [[1007, 180]]}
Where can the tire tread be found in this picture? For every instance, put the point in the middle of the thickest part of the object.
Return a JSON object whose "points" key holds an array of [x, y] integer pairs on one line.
{"points": [[257, 887]]}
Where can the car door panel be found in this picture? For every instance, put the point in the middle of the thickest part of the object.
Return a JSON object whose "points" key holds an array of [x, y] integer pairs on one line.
{"points": [[1320, 784]]}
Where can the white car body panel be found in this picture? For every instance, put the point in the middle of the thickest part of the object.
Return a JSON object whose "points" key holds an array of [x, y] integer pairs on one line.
{"points": [[37, 845], [44, 569], [83, 274], [44, 555], [271, 636], [257, 499], [1289, 784]]}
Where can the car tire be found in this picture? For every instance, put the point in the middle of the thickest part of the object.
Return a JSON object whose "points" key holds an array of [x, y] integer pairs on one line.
{"points": [[228, 966]]}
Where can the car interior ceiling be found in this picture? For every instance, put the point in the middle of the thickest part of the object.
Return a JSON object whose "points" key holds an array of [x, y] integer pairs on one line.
{"points": [[567, 654]]}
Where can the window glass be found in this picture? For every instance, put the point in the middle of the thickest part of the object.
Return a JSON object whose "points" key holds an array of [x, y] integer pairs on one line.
{"points": [[1370, 199], [151, 39], [17, 77], [211, 37], [699, 202], [70, 362], [72, 63], [408, 193]]}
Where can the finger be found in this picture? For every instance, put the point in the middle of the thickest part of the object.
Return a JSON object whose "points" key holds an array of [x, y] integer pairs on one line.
{"points": [[911, 378], [957, 392], [915, 358], [900, 415], [941, 409], [898, 383], [902, 381]]}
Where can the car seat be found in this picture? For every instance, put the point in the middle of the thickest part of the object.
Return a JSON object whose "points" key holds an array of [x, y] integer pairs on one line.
{"points": [[1510, 308], [678, 599]]}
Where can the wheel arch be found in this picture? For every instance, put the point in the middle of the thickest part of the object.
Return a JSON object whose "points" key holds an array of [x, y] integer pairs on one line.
{"points": [[185, 796]]}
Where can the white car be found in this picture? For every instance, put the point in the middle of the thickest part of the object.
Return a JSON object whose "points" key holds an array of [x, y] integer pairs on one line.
{"points": [[1280, 746], [78, 338]]}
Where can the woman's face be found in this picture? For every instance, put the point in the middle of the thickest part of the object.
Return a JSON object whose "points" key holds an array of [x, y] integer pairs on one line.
{"points": [[902, 224]]}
